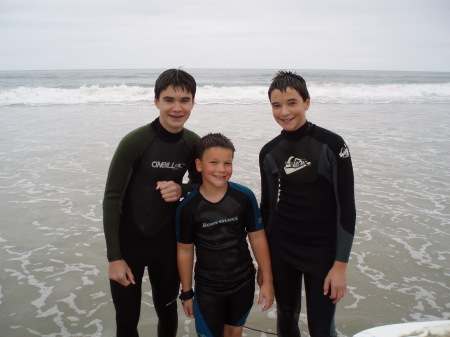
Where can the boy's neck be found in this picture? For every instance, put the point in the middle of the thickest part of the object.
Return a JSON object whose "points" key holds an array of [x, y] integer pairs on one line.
{"points": [[213, 194]]}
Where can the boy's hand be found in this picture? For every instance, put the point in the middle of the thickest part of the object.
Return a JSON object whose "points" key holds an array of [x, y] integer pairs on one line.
{"points": [[121, 273], [266, 293], [170, 190], [188, 307], [336, 282]]}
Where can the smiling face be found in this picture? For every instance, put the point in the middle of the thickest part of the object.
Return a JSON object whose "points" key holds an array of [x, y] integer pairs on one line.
{"points": [[289, 109], [175, 107], [216, 167]]}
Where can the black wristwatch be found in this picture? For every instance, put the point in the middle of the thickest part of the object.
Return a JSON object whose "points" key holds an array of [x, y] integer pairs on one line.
{"points": [[186, 295]]}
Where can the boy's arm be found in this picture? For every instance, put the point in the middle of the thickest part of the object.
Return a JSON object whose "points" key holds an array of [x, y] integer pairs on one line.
{"points": [[129, 150], [335, 285], [260, 247], [269, 188], [119, 174], [185, 259]]}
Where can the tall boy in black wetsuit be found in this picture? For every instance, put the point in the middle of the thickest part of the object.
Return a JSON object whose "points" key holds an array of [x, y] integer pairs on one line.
{"points": [[142, 190], [217, 218], [308, 208]]}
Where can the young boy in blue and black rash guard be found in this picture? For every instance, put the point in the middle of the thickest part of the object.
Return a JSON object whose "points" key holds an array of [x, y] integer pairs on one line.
{"points": [[142, 191], [216, 218], [308, 208]]}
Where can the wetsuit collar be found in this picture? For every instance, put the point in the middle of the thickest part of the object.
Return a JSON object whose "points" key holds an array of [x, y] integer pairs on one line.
{"points": [[164, 134], [303, 130]]}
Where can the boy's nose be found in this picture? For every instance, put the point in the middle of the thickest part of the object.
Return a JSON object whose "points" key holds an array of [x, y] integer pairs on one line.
{"points": [[177, 106], [284, 111]]}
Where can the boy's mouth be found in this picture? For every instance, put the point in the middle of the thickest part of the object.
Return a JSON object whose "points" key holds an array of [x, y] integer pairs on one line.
{"points": [[287, 120], [176, 117]]}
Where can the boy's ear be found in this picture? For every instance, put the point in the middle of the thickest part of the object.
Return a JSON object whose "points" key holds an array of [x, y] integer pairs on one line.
{"points": [[198, 165], [156, 101], [307, 103]]}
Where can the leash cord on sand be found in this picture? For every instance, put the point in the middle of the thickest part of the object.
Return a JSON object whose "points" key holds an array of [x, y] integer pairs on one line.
{"points": [[269, 333]]}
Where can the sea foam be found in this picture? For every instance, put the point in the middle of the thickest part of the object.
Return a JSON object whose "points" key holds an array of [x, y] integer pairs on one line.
{"points": [[210, 94]]}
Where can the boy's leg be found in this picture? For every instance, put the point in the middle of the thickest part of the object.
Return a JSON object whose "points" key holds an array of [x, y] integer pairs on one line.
{"points": [[165, 282], [209, 311], [127, 302], [232, 331], [238, 307], [288, 290], [320, 308]]}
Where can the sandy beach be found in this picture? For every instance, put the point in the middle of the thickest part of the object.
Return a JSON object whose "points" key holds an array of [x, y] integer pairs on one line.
{"points": [[54, 161]]}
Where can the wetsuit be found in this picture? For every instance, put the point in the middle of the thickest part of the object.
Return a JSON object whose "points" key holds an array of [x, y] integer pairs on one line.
{"points": [[224, 271], [140, 226], [308, 208]]}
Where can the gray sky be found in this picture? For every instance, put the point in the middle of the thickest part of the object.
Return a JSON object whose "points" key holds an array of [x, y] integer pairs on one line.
{"points": [[291, 34]]}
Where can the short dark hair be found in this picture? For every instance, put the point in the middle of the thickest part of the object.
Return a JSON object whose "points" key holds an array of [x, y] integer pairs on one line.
{"points": [[214, 140], [178, 79], [287, 79]]}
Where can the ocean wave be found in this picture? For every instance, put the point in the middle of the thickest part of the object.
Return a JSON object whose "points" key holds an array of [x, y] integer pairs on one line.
{"points": [[325, 93]]}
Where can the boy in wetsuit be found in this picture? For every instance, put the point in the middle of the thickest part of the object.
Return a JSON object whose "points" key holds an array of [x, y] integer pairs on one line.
{"points": [[216, 218], [308, 209], [142, 191]]}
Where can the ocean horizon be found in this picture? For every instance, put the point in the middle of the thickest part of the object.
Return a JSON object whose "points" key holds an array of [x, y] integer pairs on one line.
{"points": [[220, 86]]}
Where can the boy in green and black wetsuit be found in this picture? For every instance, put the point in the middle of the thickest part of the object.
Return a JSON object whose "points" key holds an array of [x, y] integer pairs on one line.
{"points": [[308, 208], [142, 191]]}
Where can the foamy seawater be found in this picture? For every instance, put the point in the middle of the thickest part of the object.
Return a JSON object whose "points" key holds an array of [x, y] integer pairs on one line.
{"points": [[54, 160]]}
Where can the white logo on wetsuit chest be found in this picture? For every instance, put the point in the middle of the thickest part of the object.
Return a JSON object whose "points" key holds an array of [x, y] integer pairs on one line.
{"points": [[167, 164], [345, 153], [209, 224], [294, 164]]}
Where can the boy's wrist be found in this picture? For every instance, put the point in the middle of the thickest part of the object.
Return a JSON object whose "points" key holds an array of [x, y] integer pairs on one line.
{"points": [[186, 295]]}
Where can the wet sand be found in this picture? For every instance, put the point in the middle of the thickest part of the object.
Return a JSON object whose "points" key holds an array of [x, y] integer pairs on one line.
{"points": [[54, 161]]}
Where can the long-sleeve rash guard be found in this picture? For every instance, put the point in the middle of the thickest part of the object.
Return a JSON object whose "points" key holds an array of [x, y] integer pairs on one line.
{"points": [[134, 213], [307, 201]]}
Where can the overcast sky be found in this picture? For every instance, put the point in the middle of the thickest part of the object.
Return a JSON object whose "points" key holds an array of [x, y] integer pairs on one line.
{"points": [[290, 34]]}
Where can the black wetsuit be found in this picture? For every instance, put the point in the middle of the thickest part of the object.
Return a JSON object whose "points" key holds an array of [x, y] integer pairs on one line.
{"points": [[308, 208], [224, 271], [140, 226]]}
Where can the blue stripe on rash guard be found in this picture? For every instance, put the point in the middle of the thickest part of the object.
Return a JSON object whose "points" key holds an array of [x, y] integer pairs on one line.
{"points": [[251, 195]]}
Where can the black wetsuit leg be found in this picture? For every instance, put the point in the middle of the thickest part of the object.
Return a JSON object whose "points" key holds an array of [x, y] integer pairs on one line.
{"points": [[165, 281], [288, 287], [320, 308], [127, 301], [165, 284]]}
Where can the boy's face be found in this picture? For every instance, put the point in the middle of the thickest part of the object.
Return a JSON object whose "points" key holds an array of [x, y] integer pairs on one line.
{"points": [[288, 108], [175, 107], [216, 166]]}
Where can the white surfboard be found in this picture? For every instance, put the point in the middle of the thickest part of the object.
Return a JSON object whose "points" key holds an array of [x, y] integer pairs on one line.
{"points": [[412, 329]]}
